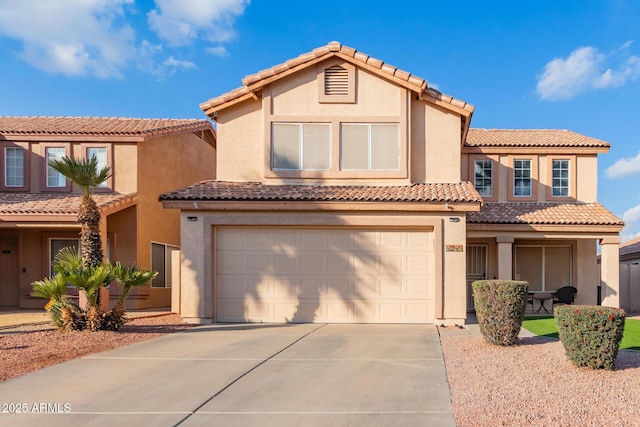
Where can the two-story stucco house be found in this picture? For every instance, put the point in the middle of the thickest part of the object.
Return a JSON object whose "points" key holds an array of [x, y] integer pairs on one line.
{"points": [[348, 190], [38, 206]]}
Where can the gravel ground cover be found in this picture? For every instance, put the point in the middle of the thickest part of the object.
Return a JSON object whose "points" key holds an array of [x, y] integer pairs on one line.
{"points": [[32, 347], [533, 384]]}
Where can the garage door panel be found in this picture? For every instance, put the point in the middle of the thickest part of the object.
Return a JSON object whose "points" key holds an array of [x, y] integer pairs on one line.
{"points": [[324, 275]]}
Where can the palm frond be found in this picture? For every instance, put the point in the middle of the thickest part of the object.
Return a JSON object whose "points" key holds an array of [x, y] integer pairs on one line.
{"points": [[84, 172], [53, 288], [129, 276]]}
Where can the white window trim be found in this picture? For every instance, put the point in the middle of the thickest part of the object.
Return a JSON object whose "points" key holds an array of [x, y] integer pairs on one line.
{"points": [[515, 178], [475, 184], [553, 186]]}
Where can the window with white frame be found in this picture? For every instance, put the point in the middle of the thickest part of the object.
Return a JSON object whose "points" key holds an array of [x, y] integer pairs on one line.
{"points": [[546, 268], [522, 178], [54, 178], [100, 153], [483, 177], [560, 178], [301, 146], [14, 167], [369, 146], [161, 262]]}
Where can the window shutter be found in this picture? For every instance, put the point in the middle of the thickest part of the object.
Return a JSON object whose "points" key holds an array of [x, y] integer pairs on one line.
{"points": [[336, 81]]}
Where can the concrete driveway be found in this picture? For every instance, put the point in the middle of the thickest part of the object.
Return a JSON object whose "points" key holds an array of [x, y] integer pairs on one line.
{"points": [[246, 375]]}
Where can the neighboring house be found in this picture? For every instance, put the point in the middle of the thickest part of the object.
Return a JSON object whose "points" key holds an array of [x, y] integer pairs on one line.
{"points": [[348, 190], [630, 275], [38, 205]]}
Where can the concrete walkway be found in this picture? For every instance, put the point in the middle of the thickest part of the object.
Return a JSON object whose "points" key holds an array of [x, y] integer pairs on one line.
{"points": [[247, 375]]}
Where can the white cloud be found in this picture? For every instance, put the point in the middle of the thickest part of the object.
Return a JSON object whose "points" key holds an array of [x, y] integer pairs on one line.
{"points": [[586, 69], [631, 220], [180, 22], [217, 51], [624, 167], [72, 37], [172, 65]]}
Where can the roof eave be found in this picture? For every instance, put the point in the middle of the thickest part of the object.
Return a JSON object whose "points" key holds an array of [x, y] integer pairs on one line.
{"points": [[451, 207]]}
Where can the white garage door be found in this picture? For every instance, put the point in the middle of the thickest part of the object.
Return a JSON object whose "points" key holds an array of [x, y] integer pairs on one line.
{"points": [[324, 275]]}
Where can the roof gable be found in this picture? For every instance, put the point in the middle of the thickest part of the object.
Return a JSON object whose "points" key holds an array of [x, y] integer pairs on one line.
{"points": [[254, 83]]}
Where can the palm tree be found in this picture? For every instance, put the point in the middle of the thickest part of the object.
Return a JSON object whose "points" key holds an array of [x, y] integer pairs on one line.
{"points": [[85, 174]]}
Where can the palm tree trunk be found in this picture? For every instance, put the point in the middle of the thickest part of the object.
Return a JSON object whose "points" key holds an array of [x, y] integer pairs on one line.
{"points": [[90, 241]]}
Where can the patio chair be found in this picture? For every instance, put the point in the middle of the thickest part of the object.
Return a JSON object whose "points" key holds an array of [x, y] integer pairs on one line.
{"points": [[565, 295], [530, 300]]}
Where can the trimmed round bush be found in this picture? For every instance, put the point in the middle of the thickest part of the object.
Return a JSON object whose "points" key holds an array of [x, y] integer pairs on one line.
{"points": [[590, 334], [500, 306]]}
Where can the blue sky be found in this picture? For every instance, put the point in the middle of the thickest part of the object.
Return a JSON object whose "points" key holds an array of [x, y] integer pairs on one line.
{"points": [[523, 64]]}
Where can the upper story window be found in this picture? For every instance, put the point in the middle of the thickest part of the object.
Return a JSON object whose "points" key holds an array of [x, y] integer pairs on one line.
{"points": [[369, 146], [522, 178], [15, 167], [560, 178], [301, 146], [100, 153], [54, 178], [483, 177]]}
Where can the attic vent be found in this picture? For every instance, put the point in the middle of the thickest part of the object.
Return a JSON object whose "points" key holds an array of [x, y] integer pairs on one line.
{"points": [[336, 81], [206, 136]]}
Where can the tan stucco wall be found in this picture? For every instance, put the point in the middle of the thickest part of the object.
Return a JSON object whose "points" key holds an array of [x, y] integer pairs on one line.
{"points": [[432, 133], [454, 268], [165, 164], [442, 145], [297, 95], [240, 149], [587, 272], [123, 226], [125, 164], [587, 179]]}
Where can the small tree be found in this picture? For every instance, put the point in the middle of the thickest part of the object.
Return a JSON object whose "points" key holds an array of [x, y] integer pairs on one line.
{"points": [[85, 174], [69, 270], [85, 269]]}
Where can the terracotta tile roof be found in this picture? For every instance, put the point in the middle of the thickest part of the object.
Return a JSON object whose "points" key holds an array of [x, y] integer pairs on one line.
{"points": [[251, 191], [98, 126], [544, 214], [254, 81], [530, 138], [55, 204]]}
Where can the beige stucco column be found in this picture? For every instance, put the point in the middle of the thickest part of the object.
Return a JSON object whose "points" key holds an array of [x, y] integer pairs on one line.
{"points": [[610, 271], [196, 303], [505, 257]]}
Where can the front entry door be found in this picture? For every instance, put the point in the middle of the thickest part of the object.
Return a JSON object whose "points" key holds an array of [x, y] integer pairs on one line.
{"points": [[476, 269], [9, 272]]}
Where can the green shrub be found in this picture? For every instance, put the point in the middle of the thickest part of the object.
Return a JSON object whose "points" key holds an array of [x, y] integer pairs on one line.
{"points": [[500, 306], [590, 334]]}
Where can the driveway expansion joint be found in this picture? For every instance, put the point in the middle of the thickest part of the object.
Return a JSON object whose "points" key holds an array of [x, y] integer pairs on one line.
{"points": [[223, 389]]}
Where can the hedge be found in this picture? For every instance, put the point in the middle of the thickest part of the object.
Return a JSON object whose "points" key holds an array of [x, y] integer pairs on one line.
{"points": [[500, 306]]}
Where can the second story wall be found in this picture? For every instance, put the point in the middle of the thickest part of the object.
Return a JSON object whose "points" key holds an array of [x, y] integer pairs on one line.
{"points": [[166, 163], [578, 171], [374, 133]]}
